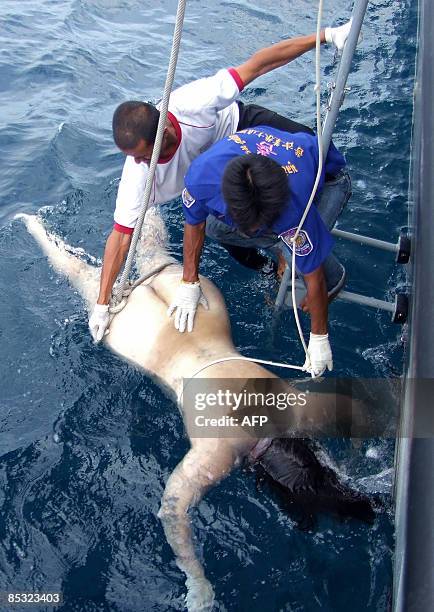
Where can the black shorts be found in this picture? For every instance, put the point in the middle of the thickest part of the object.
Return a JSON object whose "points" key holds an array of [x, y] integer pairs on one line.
{"points": [[252, 115]]}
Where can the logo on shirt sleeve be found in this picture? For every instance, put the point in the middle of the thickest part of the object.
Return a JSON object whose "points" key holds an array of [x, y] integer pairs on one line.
{"points": [[187, 199], [303, 244]]}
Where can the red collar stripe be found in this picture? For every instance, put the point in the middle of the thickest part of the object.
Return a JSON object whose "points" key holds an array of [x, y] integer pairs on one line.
{"points": [[174, 121]]}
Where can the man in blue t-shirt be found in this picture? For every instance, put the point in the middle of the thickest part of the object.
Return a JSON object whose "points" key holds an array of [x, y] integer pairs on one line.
{"points": [[255, 184]]}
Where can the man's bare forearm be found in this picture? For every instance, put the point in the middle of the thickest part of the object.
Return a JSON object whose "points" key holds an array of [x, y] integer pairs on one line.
{"points": [[317, 301], [275, 56], [194, 237], [115, 253]]}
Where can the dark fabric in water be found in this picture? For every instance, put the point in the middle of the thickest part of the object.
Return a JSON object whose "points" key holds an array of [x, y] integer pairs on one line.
{"points": [[306, 487], [251, 258]]}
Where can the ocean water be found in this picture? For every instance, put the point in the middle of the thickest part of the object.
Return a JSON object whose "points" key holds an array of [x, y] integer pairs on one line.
{"points": [[87, 442]]}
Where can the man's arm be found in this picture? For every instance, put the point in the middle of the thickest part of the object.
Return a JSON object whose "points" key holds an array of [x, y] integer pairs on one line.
{"points": [[115, 253], [277, 55], [189, 294], [194, 237], [316, 302], [114, 256], [319, 354], [284, 52]]}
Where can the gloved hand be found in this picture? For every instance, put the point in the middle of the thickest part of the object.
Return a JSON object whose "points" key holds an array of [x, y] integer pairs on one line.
{"points": [[320, 355], [338, 36], [187, 299], [99, 321]]}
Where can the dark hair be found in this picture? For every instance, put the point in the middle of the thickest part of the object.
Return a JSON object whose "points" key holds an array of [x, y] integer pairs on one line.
{"points": [[255, 189], [133, 121]]}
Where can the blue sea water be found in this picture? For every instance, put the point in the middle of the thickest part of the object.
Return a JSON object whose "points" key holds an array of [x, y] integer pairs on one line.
{"points": [[87, 442]]}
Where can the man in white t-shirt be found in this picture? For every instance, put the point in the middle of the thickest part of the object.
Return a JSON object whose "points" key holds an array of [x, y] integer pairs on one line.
{"points": [[200, 113]]}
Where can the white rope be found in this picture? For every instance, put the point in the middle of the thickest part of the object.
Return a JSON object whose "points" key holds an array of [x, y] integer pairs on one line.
{"points": [[241, 358], [237, 358], [155, 152], [114, 309], [317, 90]]}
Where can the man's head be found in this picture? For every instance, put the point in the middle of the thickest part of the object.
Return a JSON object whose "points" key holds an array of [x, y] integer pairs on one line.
{"points": [[135, 127], [256, 191]]}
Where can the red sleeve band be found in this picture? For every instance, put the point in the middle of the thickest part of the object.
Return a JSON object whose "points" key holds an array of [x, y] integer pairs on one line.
{"points": [[123, 229], [238, 80]]}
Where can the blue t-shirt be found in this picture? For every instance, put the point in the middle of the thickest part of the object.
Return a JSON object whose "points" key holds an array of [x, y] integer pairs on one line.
{"points": [[297, 154]]}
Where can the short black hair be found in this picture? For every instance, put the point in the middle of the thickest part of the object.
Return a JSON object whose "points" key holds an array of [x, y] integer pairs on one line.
{"points": [[134, 121], [255, 189]]}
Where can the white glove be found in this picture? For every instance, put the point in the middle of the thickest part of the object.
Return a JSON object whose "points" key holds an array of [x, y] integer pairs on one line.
{"points": [[99, 321], [187, 299], [338, 36], [319, 355]]}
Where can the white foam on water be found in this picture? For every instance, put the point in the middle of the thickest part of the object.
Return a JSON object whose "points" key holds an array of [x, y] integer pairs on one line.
{"points": [[372, 453], [381, 482]]}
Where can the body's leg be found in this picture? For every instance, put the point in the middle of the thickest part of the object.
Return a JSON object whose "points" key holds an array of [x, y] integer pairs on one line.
{"points": [[202, 467], [81, 275], [252, 115]]}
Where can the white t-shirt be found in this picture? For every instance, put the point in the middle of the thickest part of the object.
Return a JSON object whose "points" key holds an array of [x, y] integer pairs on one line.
{"points": [[202, 113]]}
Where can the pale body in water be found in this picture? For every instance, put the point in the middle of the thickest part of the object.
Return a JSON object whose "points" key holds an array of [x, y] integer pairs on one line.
{"points": [[144, 335]]}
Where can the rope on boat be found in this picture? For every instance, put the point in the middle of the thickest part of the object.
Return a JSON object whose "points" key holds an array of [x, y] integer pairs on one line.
{"points": [[119, 296], [317, 90], [129, 286]]}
